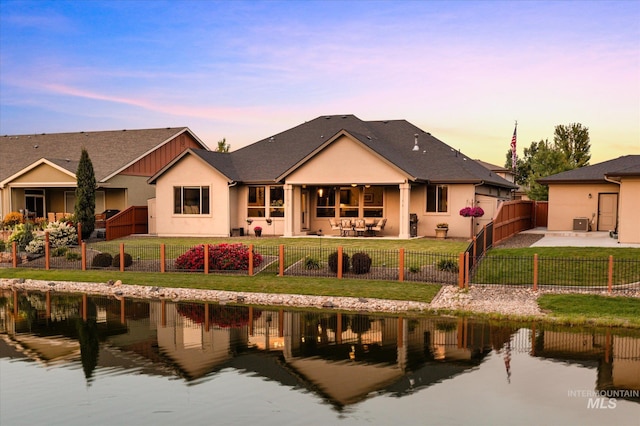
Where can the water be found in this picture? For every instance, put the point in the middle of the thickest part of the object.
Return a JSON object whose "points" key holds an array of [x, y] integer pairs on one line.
{"points": [[77, 359]]}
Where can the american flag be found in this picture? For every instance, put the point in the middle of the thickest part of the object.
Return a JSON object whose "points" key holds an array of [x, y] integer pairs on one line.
{"points": [[514, 157]]}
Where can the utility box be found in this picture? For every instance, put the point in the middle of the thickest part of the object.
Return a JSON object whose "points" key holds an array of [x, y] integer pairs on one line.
{"points": [[413, 225], [581, 224]]}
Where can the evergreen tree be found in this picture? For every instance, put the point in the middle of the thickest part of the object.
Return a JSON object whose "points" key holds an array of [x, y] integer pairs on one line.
{"points": [[85, 208], [573, 140], [223, 146]]}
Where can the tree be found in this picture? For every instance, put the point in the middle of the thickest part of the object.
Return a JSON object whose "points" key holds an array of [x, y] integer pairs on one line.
{"points": [[546, 161], [573, 140], [223, 146], [85, 208]]}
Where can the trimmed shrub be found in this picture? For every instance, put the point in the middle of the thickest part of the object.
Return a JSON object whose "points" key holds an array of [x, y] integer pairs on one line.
{"points": [[333, 262], [222, 257], [128, 260], [59, 251], [12, 219], [360, 263], [73, 255], [448, 265], [22, 235], [102, 260]]}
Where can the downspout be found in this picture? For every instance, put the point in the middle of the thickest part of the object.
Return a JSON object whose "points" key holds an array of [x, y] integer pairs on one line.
{"points": [[619, 184]]}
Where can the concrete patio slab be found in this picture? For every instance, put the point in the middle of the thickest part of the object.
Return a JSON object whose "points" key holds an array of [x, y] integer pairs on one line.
{"points": [[575, 239]]}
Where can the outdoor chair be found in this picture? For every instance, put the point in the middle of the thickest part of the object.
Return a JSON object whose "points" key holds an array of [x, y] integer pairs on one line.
{"points": [[360, 226], [335, 225], [379, 226], [345, 227]]}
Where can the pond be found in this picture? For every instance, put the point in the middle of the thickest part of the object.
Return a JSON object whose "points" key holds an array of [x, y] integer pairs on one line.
{"points": [[81, 359]]}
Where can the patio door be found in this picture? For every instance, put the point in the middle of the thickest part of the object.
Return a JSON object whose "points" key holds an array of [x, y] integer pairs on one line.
{"points": [[34, 202], [304, 210], [607, 212]]}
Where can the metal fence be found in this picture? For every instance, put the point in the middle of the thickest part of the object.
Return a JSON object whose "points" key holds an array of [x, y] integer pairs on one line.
{"points": [[473, 267]]}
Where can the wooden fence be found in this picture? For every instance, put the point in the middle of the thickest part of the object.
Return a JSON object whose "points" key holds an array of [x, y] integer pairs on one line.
{"points": [[133, 220]]}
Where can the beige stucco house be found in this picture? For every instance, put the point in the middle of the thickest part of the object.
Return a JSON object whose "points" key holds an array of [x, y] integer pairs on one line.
{"points": [[332, 167], [37, 172], [601, 197]]}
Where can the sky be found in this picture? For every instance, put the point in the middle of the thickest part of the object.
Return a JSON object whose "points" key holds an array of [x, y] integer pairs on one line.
{"points": [[465, 71]]}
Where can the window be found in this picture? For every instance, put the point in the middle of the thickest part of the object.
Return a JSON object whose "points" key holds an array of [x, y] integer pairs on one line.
{"points": [[276, 201], [256, 201], [326, 202], [191, 200], [350, 202], [437, 198], [373, 201]]}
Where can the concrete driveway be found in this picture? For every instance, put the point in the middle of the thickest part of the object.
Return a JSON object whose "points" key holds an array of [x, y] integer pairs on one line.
{"points": [[575, 239]]}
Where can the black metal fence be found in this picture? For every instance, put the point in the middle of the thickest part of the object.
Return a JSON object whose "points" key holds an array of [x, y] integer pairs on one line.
{"points": [[473, 267]]}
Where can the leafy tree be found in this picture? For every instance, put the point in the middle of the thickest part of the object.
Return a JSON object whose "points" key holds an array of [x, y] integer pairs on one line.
{"points": [[573, 140], [546, 161], [223, 146], [85, 208]]}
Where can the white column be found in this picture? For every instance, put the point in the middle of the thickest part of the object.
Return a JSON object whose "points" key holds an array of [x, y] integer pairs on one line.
{"points": [[405, 193], [288, 210]]}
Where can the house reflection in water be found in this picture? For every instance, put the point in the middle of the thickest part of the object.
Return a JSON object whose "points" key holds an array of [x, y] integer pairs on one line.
{"points": [[341, 356]]}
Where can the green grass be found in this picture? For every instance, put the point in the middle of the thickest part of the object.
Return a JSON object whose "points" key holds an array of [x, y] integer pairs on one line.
{"points": [[267, 283], [587, 308]]}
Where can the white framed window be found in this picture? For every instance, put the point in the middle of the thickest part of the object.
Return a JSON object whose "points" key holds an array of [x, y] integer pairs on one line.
{"points": [[191, 200], [326, 201], [437, 198]]}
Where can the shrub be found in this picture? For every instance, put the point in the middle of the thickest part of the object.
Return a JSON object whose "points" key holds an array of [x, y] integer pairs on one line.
{"points": [[448, 265], [12, 219], [3, 245], [72, 255], [102, 260], [59, 251], [35, 246], [60, 235], [311, 263], [333, 262], [222, 257], [22, 235], [414, 269], [128, 260], [361, 263]]}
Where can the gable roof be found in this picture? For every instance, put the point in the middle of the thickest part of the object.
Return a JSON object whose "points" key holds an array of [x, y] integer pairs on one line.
{"points": [[628, 165], [110, 151], [272, 158], [221, 161]]}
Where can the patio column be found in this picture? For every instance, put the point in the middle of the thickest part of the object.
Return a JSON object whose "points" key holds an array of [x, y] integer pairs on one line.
{"points": [[405, 193], [288, 210]]}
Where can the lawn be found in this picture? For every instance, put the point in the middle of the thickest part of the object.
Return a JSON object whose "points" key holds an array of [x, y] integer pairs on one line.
{"points": [[585, 308]]}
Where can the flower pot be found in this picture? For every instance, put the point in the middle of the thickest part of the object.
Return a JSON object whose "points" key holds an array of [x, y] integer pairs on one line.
{"points": [[441, 233], [258, 233]]}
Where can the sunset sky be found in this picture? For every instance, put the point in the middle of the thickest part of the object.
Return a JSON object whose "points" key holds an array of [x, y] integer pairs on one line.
{"points": [[464, 71]]}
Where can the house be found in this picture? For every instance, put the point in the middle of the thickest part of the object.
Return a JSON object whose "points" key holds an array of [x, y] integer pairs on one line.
{"points": [[333, 167], [37, 172], [600, 197]]}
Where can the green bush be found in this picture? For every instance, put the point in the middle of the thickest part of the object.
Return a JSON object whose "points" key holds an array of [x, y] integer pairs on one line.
{"points": [[73, 255], [3, 245], [59, 251], [448, 265], [22, 235], [333, 262], [102, 260], [128, 260], [361, 263], [311, 263]]}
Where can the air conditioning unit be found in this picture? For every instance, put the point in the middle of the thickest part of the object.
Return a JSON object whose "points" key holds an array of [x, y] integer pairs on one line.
{"points": [[581, 224]]}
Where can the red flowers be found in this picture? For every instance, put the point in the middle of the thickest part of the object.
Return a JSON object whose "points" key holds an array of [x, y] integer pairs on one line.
{"points": [[223, 257], [472, 212]]}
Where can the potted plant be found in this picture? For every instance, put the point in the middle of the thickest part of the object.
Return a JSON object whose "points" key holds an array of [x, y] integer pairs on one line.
{"points": [[258, 231], [441, 230]]}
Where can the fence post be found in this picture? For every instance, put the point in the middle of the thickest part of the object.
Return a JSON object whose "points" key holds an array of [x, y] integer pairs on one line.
{"points": [[535, 272], [340, 262], [163, 257], [610, 275], [461, 270], [79, 230], [250, 260], [475, 247], [121, 257], [83, 252], [206, 258], [281, 260], [401, 265], [466, 269], [47, 252], [14, 254]]}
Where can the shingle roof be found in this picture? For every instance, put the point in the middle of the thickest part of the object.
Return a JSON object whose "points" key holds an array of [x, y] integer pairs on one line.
{"points": [[109, 151], [275, 156], [625, 165]]}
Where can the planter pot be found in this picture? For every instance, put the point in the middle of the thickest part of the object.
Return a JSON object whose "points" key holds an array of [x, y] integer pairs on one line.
{"points": [[441, 233], [258, 233]]}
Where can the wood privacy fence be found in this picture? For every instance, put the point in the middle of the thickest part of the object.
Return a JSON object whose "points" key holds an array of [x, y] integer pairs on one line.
{"points": [[133, 220]]}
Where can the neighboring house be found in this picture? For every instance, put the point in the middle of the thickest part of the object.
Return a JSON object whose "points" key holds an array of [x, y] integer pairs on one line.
{"points": [[38, 172], [518, 194], [604, 196], [332, 167]]}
